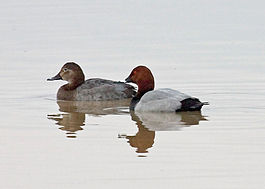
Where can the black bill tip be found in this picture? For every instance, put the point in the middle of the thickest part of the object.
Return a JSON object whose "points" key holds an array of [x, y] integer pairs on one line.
{"points": [[57, 77], [128, 80]]}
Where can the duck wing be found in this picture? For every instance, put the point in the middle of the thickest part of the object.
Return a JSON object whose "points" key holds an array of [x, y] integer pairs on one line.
{"points": [[103, 89], [168, 100]]}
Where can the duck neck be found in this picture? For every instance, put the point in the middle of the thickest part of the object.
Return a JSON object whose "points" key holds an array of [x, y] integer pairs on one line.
{"points": [[144, 87], [73, 84], [139, 94]]}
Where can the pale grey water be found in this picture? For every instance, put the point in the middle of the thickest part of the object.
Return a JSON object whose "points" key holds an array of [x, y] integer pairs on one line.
{"points": [[213, 50]]}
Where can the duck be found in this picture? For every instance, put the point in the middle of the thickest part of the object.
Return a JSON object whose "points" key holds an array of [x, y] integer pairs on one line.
{"points": [[94, 89], [160, 100]]}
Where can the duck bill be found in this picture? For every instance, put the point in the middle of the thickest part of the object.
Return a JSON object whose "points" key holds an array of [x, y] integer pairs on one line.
{"points": [[57, 77], [128, 80]]}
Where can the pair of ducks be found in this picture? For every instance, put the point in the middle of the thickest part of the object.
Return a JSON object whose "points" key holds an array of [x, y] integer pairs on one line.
{"points": [[146, 98]]}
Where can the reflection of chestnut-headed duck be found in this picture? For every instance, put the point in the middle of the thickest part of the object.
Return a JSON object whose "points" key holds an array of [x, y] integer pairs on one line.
{"points": [[77, 89], [150, 122], [169, 121], [160, 100], [143, 139]]}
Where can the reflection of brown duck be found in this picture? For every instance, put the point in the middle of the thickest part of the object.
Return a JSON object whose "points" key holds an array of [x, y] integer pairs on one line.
{"points": [[143, 139], [94, 107], [70, 122], [73, 117]]}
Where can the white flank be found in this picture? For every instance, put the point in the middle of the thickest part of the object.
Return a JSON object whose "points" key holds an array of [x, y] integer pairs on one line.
{"points": [[161, 100]]}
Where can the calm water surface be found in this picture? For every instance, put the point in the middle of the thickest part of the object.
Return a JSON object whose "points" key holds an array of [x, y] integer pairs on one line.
{"points": [[209, 49]]}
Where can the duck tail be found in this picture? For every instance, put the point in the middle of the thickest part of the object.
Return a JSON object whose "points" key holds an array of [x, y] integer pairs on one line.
{"points": [[191, 104]]}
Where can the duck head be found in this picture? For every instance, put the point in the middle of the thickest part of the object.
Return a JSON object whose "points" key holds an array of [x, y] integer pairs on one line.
{"points": [[72, 73], [144, 79]]}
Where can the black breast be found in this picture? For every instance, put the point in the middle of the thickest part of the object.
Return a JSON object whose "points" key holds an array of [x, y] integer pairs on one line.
{"points": [[134, 101]]}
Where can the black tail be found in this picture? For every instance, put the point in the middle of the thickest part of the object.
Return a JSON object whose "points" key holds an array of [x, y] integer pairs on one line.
{"points": [[191, 104]]}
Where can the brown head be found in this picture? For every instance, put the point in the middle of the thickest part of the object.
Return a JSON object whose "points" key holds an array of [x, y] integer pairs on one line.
{"points": [[143, 77], [72, 73]]}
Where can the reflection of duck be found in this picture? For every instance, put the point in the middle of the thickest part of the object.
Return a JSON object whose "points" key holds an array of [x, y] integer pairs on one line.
{"points": [[143, 139], [70, 122], [169, 121], [74, 112], [94, 107], [90, 90], [149, 122]]}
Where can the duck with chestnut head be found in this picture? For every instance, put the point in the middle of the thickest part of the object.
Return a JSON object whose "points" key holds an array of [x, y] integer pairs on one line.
{"points": [[160, 100]]}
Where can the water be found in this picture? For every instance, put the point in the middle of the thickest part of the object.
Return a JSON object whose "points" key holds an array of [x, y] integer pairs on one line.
{"points": [[209, 49]]}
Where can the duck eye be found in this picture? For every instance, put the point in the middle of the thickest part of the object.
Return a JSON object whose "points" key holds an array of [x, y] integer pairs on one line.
{"points": [[65, 69], [134, 72]]}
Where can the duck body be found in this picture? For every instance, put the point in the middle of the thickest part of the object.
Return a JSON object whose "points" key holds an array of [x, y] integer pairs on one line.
{"points": [[166, 100], [161, 100], [95, 89]]}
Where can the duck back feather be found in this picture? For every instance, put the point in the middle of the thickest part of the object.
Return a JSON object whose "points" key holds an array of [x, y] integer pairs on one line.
{"points": [[163, 100], [103, 89]]}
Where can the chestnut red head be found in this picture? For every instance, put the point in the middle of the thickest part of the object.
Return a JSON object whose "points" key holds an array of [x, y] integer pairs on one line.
{"points": [[143, 77]]}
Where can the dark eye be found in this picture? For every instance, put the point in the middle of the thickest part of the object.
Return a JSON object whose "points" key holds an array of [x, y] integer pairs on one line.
{"points": [[65, 69]]}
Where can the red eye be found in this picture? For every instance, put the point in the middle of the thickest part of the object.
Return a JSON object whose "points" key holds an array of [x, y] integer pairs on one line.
{"points": [[134, 72]]}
